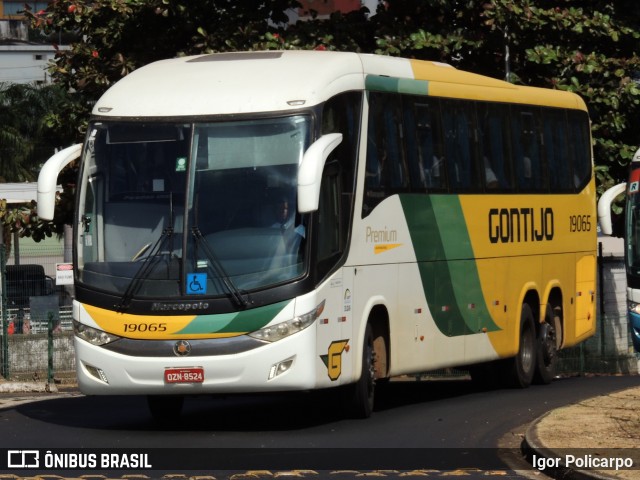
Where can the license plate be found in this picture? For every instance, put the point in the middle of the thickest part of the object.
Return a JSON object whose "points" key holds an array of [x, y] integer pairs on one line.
{"points": [[184, 375]]}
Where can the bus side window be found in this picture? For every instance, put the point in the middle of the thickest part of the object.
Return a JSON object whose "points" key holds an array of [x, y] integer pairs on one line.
{"points": [[525, 141], [494, 147], [393, 131], [460, 146], [340, 114], [417, 179], [330, 234], [579, 141], [386, 170], [375, 150], [556, 147], [91, 220], [425, 151]]}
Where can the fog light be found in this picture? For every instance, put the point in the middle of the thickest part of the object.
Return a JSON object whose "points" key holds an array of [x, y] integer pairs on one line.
{"points": [[280, 367], [97, 373]]}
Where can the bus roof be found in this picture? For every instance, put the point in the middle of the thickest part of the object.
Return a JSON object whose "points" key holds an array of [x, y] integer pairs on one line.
{"points": [[246, 82]]}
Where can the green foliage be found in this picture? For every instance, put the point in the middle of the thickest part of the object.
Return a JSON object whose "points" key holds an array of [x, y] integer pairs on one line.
{"points": [[26, 142], [585, 47], [113, 37], [589, 49]]}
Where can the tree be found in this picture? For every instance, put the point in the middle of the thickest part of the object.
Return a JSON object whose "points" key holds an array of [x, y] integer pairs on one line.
{"points": [[585, 47], [17, 129], [26, 139], [113, 37], [26, 142]]}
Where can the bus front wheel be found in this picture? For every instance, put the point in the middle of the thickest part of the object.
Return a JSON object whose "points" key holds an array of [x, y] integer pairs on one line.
{"points": [[519, 370], [363, 389]]}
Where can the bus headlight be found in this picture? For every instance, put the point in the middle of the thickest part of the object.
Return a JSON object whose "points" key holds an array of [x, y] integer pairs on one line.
{"points": [[93, 335], [273, 333]]}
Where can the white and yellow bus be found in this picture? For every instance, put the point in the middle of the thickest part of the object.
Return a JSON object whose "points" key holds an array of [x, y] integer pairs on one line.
{"points": [[277, 221]]}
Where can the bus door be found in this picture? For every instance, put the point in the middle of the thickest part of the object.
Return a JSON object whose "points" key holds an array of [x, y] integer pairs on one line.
{"points": [[335, 327]]}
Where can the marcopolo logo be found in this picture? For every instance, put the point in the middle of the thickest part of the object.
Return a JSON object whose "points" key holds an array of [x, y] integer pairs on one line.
{"points": [[179, 306]]}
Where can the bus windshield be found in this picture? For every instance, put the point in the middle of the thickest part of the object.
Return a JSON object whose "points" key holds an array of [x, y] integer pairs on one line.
{"points": [[632, 232], [184, 209]]}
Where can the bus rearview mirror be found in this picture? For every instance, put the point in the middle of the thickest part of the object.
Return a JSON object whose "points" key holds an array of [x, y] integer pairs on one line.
{"points": [[48, 179], [310, 172], [604, 207]]}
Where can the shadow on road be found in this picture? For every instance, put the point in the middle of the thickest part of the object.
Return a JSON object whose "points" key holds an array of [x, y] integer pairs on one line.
{"points": [[237, 413]]}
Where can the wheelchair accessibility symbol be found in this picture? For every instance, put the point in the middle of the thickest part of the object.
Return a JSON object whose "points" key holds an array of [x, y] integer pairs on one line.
{"points": [[196, 283]]}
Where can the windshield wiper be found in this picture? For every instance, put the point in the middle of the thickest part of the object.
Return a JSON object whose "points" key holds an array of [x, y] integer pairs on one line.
{"points": [[143, 271], [218, 269], [141, 274]]}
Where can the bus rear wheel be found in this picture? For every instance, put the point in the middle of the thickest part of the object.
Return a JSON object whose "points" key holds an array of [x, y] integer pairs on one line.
{"points": [[519, 370], [547, 347]]}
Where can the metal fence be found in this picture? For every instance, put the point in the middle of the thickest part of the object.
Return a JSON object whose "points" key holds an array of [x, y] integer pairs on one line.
{"points": [[37, 338]]}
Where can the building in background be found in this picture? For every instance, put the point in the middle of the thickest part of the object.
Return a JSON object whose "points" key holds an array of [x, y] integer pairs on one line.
{"points": [[324, 8], [10, 9], [21, 59], [25, 63]]}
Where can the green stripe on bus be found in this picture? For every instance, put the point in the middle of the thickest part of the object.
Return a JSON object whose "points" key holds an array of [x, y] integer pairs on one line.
{"points": [[397, 85], [448, 269], [237, 322]]}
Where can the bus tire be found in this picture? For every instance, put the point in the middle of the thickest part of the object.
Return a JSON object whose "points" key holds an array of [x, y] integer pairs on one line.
{"points": [[363, 390], [519, 370], [165, 409], [547, 348]]}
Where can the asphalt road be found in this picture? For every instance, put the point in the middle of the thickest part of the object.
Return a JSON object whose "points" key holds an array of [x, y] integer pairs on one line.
{"points": [[427, 426]]}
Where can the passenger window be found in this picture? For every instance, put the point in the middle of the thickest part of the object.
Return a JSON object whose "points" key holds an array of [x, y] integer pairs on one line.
{"points": [[493, 126], [525, 142], [579, 141], [556, 147], [463, 166], [387, 171], [425, 151]]}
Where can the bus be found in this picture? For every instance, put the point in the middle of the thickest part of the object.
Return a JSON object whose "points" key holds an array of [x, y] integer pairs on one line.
{"points": [[631, 189], [298, 220]]}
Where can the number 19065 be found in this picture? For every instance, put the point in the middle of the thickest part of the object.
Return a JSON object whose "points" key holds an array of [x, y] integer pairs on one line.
{"points": [[579, 223]]}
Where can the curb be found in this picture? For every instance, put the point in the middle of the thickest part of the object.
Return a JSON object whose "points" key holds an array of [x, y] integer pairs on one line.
{"points": [[28, 387], [533, 445], [13, 394]]}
